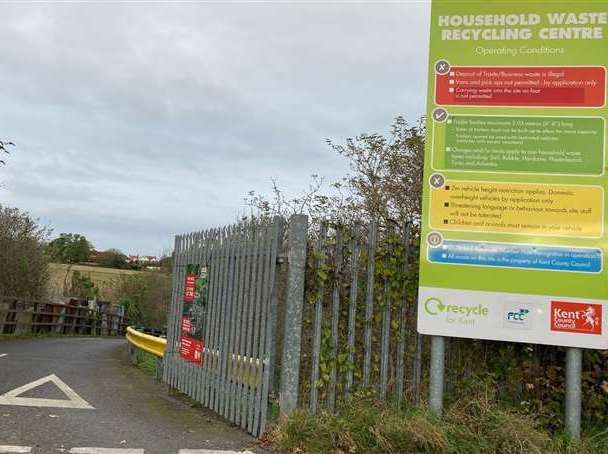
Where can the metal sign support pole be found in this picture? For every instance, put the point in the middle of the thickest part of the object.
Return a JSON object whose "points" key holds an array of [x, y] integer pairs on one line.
{"points": [[574, 366], [437, 374]]}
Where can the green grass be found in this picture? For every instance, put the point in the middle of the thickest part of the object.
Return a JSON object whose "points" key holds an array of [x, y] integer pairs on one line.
{"points": [[475, 424], [146, 362]]}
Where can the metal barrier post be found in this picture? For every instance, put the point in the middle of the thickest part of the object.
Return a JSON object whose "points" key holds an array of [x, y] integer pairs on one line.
{"points": [[574, 366], [158, 369], [290, 362], [132, 354]]}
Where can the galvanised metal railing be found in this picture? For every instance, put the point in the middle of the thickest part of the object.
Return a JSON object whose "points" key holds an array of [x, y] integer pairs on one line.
{"points": [[258, 317], [221, 335]]}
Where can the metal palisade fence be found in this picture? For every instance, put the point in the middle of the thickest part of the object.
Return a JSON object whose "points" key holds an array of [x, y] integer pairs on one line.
{"points": [[313, 315], [359, 316], [236, 320]]}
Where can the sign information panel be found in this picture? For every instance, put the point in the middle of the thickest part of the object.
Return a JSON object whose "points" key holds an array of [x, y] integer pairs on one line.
{"points": [[194, 314], [513, 243]]}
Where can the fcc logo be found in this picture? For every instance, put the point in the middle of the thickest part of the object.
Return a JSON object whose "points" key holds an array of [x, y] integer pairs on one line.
{"points": [[517, 315]]}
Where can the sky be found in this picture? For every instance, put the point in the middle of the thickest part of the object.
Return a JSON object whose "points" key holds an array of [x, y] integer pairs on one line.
{"points": [[135, 122]]}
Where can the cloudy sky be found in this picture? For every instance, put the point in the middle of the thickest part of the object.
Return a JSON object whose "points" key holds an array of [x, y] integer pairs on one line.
{"points": [[137, 121]]}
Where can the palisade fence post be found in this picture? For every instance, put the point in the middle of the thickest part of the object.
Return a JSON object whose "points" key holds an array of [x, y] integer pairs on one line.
{"points": [[437, 374], [400, 380], [317, 332], [335, 319], [369, 303], [290, 362], [574, 366], [275, 297], [355, 251], [276, 234]]}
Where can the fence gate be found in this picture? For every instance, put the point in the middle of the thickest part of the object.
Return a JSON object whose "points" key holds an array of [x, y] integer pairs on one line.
{"points": [[222, 320]]}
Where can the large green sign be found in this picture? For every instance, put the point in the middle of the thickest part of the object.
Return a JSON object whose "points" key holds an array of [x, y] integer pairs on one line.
{"points": [[513, 242]]}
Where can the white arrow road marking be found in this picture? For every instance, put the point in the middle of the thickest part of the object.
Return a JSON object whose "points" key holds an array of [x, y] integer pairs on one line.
{"points": [[75, 401], [2, 355], [105, 451], [4, 449]]}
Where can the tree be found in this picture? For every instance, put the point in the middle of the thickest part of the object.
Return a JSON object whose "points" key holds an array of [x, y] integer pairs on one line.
{"points": [[166, 263], [385, 182], [69, 248], [145, 296], [81, 287], [23, 264], [386, 178], [112, 258], [4, 144]]}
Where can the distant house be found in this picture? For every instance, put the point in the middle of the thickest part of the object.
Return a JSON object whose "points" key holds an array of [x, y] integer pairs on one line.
{"points": [[143, 259]]}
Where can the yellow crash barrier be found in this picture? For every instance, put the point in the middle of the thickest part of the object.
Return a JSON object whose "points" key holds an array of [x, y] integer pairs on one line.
{"points": [[151, 344]]}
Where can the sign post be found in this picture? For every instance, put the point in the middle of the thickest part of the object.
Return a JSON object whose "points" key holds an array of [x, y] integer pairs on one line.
{"points": [[437, 374], [513, 241], [574, 368]]}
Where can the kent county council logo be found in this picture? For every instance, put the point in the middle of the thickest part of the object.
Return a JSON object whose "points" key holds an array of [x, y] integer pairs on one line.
{"points": [[517, 316], [461, 314], [583, 318]]}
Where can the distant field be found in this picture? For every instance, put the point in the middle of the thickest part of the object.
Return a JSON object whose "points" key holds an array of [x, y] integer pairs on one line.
{"points": [[103, 278]]}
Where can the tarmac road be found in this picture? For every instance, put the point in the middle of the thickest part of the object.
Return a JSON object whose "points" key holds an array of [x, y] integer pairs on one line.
{"points": [[131, 411]]}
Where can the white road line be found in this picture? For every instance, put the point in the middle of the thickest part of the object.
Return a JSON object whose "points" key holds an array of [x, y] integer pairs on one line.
{"points": [[75, 401], [2, 355], [5, 449], [211, 451], [105, 451]]}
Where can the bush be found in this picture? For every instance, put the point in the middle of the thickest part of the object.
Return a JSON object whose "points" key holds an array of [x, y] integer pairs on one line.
{"points": [[23, 264], [81, 286], [145, 296], [112, 258]]}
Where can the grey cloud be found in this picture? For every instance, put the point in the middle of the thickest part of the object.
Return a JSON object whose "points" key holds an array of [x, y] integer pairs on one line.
{"points": [[138, 121]]}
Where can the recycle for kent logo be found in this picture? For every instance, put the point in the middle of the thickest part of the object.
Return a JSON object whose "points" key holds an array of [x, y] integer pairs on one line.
{"points": [[434, 306]]}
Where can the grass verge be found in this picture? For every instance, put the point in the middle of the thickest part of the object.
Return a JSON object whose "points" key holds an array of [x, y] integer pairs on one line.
{"points": [[474, 424], [145, 361]]}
